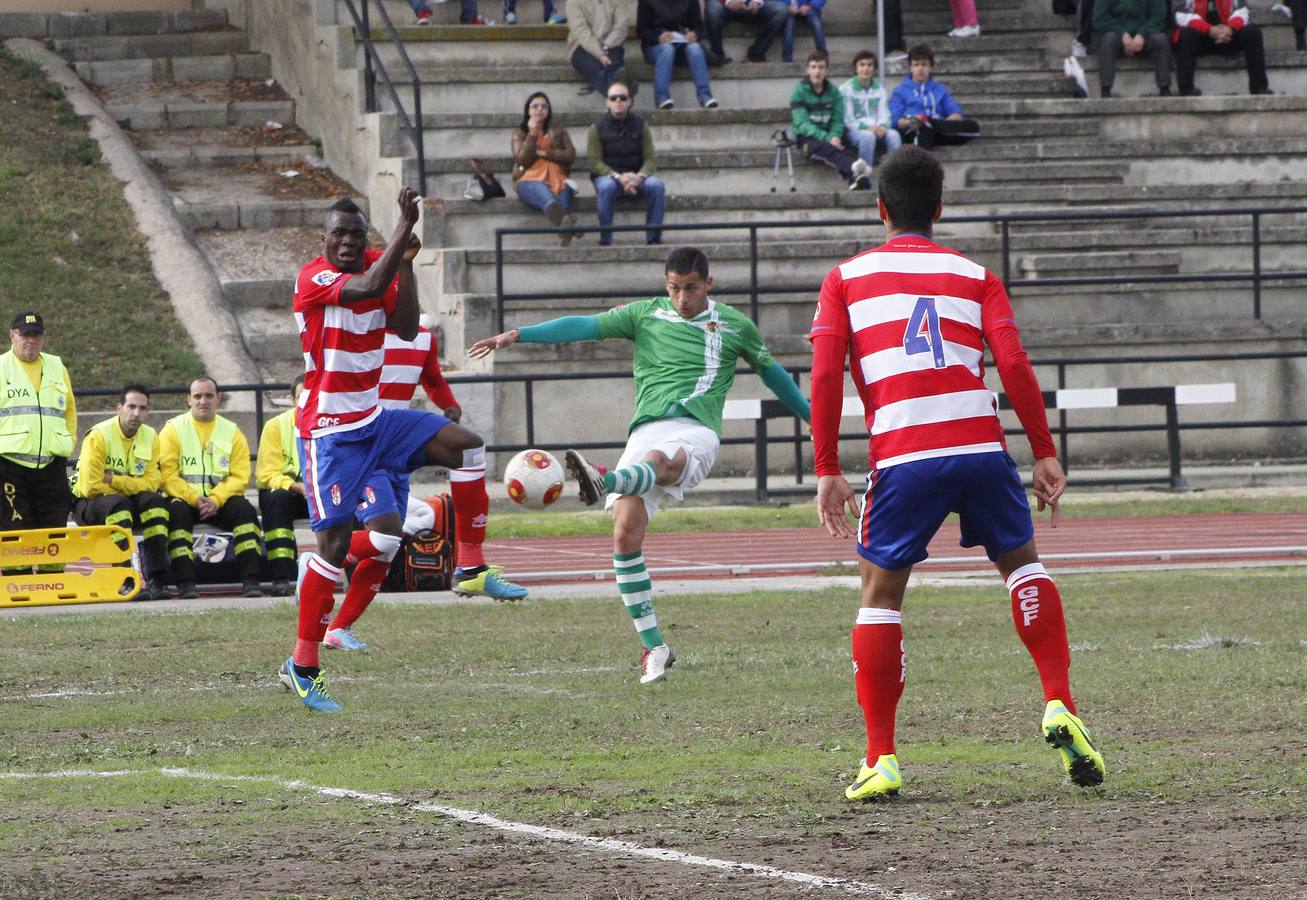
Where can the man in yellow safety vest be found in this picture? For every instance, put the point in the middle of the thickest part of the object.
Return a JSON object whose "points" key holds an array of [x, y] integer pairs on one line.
{"points": [[205, 463], [281, 492], [118, 482], [38, 423]]}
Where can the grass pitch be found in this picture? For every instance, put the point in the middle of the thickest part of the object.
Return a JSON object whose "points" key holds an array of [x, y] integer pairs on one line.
{"points": [[1193, 685]]}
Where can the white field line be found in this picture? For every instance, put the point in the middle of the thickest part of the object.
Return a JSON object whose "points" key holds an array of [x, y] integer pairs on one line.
{"points": [[472, 817], [1160, 554]]}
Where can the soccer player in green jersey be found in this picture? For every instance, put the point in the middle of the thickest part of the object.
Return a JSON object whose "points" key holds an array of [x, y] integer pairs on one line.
{"points": [[686, 348]]}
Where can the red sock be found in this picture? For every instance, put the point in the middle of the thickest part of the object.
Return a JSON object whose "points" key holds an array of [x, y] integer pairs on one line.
{"points": [[1037, 613], [363, 587], [316, 600], [360, 547], [471, 504], [879, 669], [374, 550]]}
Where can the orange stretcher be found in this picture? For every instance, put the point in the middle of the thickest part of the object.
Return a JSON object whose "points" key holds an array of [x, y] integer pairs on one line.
{"points": [[96, 563]]}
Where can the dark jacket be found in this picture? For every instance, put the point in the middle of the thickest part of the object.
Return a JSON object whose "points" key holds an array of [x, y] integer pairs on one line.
{"points": [[620, 145], [653, 17], [1130, 16]]}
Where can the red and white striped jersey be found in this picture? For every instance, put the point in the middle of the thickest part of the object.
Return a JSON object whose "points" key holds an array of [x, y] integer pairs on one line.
{"points": [[915, 318], [410, 363], [343, 348]]}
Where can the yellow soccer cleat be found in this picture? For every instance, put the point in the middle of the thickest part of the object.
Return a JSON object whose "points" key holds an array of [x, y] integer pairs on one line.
{"points": [[875, 782], [1069, 737]]}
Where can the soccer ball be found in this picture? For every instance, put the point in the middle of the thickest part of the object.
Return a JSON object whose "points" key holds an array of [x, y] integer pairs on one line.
{"points": [[534, 478]]}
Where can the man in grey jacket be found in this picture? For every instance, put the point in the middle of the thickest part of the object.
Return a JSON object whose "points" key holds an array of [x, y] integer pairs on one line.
{"points": [[595, 32]]}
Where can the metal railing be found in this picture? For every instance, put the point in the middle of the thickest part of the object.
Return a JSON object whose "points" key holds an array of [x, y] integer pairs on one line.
{"points": [[755, 290], [372, 65], [798, 437]]}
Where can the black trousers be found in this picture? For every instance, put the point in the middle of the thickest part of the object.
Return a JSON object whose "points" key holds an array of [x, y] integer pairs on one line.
{"points": [[942, 132], [279, 509], [34, 498], [237, 515], [145, 511], [826, 153], [1247, 40]]}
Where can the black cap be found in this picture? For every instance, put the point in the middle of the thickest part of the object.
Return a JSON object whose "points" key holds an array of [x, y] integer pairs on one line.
{"points": [[28, 323]]}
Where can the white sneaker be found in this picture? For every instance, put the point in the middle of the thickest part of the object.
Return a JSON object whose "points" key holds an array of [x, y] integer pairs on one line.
{"points": [[342, 639], [965, 31], [1282, 10], [510, 18], [896, 56], [1078, 50], [655, 663], [861, 169]]}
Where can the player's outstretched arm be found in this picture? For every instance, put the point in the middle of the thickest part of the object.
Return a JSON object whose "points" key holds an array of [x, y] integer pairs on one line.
{"points": [[487, 346], [780, 383], [562, 330], [1050, 485], [835, 503]]}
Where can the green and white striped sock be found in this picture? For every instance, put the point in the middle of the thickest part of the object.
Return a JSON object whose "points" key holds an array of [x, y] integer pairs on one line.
{"points": [[637, 594], [632, 480]]}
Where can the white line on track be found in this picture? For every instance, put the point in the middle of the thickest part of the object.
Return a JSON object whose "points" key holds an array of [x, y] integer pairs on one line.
{"points": [[472, 817], [750, 568]]}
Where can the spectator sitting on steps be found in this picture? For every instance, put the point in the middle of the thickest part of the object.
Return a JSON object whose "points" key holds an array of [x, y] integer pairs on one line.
{"points": [[595, 32], [1131, 27], [1216, 26], [670, 31], [817, 118], [767, 16], [810, 12], [552, 16], [866, 111], [542, 158], [621, 151], [923, 110]]}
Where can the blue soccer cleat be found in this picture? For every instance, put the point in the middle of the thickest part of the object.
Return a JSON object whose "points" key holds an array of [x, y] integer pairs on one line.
{"points": [[487, 583], [312, 691]]}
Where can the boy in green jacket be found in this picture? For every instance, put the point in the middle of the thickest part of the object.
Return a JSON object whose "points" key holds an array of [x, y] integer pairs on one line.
{"points": [[817, 118]]}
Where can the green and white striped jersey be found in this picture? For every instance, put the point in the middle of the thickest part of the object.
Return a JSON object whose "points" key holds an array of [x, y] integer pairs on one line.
{"points": [[684, 367]]}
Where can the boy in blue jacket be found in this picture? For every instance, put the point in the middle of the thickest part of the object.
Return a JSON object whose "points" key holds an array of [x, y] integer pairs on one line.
{"points": [[923, 110]]}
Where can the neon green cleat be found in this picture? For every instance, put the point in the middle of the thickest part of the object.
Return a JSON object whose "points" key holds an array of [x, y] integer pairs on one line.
{"points": [[875, 782], [1069, 737]]}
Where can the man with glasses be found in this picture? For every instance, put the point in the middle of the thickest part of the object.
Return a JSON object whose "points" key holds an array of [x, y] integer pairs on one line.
{"points": [[621, 151]]}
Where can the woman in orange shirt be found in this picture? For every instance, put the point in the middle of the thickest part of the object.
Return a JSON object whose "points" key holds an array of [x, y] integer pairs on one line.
{"points": [[542, 157]]}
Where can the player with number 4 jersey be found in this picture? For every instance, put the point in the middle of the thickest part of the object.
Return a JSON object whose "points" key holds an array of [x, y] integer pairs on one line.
{"points": [[913, 319]]}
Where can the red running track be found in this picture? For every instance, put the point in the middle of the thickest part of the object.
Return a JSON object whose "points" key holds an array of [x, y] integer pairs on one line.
{"points": [[1099, 542]]}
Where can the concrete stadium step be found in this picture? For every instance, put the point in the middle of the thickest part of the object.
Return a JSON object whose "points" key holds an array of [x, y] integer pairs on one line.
{"points": [[257, 266], [202, 104], [92, 24], [1215, 76], [175, 68], [1141, 262], [488, 135], [471, 90], [187, 147], [149, 46], [1095, 172], [252, 196]]}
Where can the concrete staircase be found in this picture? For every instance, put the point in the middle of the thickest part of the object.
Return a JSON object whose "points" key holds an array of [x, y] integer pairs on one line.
{"points": [[1043, 150], [202, 107]]}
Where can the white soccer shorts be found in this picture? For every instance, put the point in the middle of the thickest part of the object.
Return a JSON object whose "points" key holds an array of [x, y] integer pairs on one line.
{"points": [[668, 436]]}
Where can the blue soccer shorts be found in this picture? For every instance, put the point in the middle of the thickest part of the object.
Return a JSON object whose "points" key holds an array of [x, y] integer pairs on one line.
{"points": [[339, 467], [904, 506], [385, 492]]}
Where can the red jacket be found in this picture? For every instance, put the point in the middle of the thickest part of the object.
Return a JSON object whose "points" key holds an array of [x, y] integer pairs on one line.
{"points": [[1193, 14]]}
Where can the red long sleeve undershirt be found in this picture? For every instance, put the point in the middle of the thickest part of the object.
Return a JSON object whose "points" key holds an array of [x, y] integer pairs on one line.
{"points": [[433, 380]]}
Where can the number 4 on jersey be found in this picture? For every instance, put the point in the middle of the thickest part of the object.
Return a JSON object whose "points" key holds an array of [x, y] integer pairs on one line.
{"points": [[922, 334]]}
